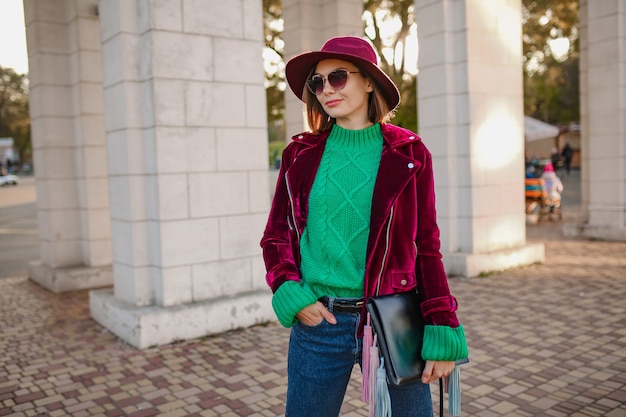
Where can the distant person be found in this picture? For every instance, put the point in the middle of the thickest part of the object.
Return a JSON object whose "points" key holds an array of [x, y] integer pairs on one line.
{"points": [[568, 153], [554, 186], [558, 161]]}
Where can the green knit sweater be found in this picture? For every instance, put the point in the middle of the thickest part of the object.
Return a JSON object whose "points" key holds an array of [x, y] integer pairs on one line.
{"points": [[334, 242]]}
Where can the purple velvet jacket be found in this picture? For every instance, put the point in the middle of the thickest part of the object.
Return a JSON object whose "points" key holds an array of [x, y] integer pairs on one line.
{"points": [[403, 245]]}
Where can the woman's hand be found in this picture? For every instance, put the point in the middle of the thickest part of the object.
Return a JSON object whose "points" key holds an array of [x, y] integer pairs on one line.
{"points": [[313, 314], [435, 370]]}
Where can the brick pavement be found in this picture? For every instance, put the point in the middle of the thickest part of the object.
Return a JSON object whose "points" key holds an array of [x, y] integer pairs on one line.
{"points": [[545, 340]]}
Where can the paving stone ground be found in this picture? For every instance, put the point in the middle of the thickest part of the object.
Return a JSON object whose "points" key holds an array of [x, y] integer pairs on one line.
{"points": [[545, 340]]}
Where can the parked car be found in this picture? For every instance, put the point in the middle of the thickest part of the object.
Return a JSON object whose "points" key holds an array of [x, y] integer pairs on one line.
{"points": [[8, 179]]}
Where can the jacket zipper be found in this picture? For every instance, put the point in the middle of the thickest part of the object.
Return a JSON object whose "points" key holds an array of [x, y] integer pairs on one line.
{"points": [[382, 265], [293, 212]]}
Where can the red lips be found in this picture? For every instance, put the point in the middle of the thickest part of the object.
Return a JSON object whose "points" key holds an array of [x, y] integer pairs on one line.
{"points": [[333, 103]]}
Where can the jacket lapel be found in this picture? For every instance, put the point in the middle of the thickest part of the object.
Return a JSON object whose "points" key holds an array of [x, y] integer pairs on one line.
{"points": [[301, 173], [394, 173]]}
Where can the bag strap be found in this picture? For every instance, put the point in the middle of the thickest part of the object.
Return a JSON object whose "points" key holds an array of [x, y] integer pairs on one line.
{"points": [[441, 397]]}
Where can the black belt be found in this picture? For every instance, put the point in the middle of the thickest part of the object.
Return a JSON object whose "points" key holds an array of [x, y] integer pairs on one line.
{"points": [[342, 306]]}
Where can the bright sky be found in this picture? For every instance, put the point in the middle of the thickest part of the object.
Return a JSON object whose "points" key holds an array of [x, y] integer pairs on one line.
{"points": [[13, 36]]}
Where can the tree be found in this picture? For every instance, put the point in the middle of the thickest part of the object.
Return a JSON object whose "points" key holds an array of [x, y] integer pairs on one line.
{"points": [[14, 116], [273, 56], [546, 21], [393, 48], [274, 68], [551, 89]]}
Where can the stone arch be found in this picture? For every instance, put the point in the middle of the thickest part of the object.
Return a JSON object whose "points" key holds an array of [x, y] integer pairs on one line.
{"points": [[150, 139], [149, 136], [470, 103]]}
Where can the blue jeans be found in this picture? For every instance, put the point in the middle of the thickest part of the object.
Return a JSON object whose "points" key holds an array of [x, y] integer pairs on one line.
{"points": [[320, 361]]}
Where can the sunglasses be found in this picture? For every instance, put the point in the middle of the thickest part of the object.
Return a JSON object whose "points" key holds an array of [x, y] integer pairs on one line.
{"points": [[337, 80]]}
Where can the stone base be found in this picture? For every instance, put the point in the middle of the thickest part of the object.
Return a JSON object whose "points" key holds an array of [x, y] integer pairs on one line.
{"points": [[71, 278], [144, 327], [594, 232], [474, 264]]}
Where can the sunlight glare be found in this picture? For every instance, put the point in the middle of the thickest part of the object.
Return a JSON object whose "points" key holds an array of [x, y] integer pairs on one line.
{"points": [[559, 48], [495, 138]]}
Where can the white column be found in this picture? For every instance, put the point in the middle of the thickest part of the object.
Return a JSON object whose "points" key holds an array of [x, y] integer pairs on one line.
{"points": [[603, 124], [471, 118], [187, 140], [308, 24], [67, 118]]}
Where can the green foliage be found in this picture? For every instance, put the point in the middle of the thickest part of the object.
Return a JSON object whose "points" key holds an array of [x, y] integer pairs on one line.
{"points": [[375, 14], [406, 115], [14, 116], [551, 90], [274, 74], [553, 96], [276, 151], [551, 82], [545, 21]]}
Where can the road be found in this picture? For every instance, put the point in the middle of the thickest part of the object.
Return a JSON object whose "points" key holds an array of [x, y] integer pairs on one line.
{"points": [[19, 242]]}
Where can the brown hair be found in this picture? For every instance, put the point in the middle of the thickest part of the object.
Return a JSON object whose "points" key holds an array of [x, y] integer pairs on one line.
{"points": [[319, 121]]}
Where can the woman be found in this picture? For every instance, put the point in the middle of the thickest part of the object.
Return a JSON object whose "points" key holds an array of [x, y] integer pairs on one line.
{"points": [[353, 216]]}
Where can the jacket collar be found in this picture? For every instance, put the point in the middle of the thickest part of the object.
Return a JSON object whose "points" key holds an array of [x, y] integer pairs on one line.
{"points": [[395, 171], [393, 137]]}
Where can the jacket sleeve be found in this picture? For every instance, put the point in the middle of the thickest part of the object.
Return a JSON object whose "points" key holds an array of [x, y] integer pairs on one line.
{"points": [[438, 305], [277, 245], [444, 336]]}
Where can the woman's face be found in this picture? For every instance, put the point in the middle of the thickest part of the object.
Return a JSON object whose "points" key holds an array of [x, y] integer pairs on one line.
{"points": [[347, 105]]}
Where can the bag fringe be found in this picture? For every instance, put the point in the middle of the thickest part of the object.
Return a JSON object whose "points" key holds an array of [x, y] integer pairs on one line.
{"points": [[383, 400], [372, 377], [365, 360], [454, 392]]}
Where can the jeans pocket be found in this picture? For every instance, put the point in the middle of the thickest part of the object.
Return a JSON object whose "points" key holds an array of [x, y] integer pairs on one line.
{"points": [[312, 326]]}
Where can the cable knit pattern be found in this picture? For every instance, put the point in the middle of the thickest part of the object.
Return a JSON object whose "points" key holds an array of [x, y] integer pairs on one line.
{"points": [[334, 241]]}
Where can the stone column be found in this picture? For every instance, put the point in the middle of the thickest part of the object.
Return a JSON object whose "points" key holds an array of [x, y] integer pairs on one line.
{"points": [[187, 141], [471, 118], [308, 24], [603, 120], [67, 116]]}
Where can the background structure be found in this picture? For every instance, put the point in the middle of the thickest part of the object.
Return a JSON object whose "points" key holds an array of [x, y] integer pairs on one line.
{"points": [[150, 141]]}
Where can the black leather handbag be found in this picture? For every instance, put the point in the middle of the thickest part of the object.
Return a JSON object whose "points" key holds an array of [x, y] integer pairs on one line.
{"points": [[399, 325]]}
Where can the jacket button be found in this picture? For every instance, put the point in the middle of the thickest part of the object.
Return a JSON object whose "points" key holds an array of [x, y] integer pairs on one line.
{"points": [[411, 165], [300, 136], [411, 137], [403, 282]]}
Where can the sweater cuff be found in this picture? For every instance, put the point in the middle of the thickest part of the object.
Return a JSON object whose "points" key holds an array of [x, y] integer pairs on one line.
{"points": [[444, 343], [289, 299]]}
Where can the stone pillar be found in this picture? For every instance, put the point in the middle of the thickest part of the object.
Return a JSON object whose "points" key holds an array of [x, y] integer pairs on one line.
{"points": [[186, 132], [308, 24], [67, 117], [603, 120], [471, 118]]}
